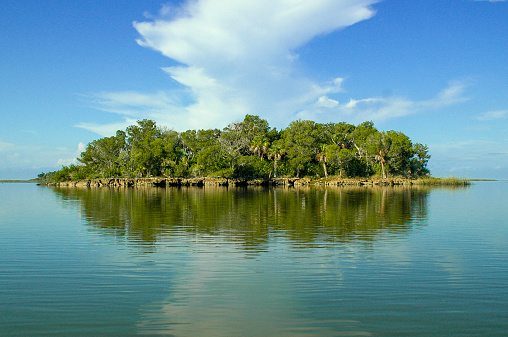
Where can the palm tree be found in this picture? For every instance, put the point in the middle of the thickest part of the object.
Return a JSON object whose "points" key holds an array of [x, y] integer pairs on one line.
{"points": [[276, 151], [259, 146], [321, 156], [380, 157]]}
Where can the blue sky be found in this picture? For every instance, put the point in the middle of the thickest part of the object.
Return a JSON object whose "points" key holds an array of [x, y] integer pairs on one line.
{"points": [[75, 71]]}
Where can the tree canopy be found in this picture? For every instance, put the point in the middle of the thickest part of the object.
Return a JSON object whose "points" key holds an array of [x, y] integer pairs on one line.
{"points": [[251, 149]]}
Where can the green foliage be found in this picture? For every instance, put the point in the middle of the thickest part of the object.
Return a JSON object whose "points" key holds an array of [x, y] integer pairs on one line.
{"points": [[105, 156], [249, 149], [300, 144], [418, 163]]}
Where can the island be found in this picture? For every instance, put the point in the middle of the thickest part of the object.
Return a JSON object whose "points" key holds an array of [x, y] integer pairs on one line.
{"points": [[250, 152]]}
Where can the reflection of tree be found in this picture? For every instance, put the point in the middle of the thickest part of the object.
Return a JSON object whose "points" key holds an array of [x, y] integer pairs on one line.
{"points": [[250, 215]]}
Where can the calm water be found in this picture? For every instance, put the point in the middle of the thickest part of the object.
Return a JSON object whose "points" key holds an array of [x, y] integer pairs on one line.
{"points": [[254, 262]]}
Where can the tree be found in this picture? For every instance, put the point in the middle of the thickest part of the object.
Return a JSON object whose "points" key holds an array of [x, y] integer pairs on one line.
{"points": [[237, 138], [340, 157], [105, 156], [400, 153], [378, 146], [321, 157], [193, 143], [337, 134], [240, 149], [173, 161], [259, 146], [393, 150], [300, 142], [275, 152], [419, 162], [252, 127], [147, 148], [358, 137]]}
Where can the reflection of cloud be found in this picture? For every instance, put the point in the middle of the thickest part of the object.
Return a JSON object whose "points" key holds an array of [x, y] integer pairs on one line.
{"points": [[453, 265], [220, 293]]}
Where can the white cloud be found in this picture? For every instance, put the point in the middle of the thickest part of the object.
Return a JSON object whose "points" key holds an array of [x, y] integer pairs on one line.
{"points": [[211, 33], [6, 147], [236, 57], [107, 130], [493, 115], [64, 162], [325, 102], [380, 109], [490, 0], [453, 94]]}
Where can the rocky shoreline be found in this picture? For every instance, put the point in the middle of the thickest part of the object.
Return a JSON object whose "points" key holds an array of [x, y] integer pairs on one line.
{"points": [[206, 181]]}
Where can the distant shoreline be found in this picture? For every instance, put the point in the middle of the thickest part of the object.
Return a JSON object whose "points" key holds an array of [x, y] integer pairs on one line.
{"points": [[485, 179]]}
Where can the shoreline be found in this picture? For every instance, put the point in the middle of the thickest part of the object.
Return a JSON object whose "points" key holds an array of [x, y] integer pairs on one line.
{"points": [[238, 182]]}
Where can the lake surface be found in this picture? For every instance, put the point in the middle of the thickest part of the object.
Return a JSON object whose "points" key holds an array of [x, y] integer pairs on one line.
{"points": [[254, 262]]}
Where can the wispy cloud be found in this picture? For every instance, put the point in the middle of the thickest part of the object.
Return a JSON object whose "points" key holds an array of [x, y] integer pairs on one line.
{"points": [[6, 147], [452, 94], [109, 129], [73, 160], [493, 115], [380, 109]]}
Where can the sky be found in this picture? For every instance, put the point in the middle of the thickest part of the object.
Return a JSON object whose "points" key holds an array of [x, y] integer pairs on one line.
{"points": [[75, 71]]}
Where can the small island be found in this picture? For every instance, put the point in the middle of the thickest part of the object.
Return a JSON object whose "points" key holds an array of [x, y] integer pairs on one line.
{"points": [[250, 152]]}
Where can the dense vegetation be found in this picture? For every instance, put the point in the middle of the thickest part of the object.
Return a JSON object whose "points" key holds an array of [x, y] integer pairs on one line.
{"points": [[250, 149]]}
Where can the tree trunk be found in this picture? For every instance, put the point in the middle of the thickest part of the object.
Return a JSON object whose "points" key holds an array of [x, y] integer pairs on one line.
{"points": [[324, 168], [383, 168], [358, 149]]}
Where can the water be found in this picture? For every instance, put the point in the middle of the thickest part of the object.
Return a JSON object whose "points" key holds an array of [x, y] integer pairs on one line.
{"points": [[254, 262]]}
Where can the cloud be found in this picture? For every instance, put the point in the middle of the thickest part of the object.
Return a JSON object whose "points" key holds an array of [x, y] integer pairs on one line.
{"points": [[490, 0], [239, 57], [493, 115], [326, 102], [380, 109], [6, 147], [13, 155], [211, 34], [107, 130], [67, 161], [234, 58], [453, 94]]}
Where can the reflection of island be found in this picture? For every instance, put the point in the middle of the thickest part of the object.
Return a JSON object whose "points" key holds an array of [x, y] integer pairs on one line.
{"points": [[248, 216]]}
